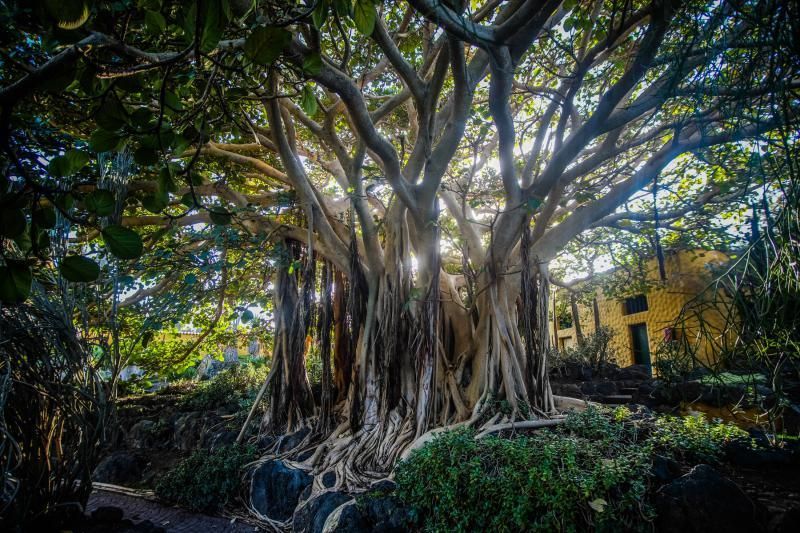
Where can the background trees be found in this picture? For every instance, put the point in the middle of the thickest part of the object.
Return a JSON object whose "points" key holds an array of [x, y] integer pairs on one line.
{"points": [[436, 157]]}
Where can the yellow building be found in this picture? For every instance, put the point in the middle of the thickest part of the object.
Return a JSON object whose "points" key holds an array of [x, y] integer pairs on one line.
{"points": [[642, 321]]}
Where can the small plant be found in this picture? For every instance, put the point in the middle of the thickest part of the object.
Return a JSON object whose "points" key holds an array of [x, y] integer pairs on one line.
{"points": [[595, 351], [694, 438], [673, 362], [229, 387], [207, 480]]}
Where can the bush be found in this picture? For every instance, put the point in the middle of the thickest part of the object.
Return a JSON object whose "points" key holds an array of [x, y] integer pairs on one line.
{"points": [[589, 474], [229, 387], [207, 480], [595, 351], [694, 438]]}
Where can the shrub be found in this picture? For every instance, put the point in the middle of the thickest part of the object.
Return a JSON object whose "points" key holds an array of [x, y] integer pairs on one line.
{"points": [[207, 480], [590, 473], [229, 387], [552, 480], [694, 438], [595, 351]]}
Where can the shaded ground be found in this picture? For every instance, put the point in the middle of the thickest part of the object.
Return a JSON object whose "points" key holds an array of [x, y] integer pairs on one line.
{"points": [[172, 519]]}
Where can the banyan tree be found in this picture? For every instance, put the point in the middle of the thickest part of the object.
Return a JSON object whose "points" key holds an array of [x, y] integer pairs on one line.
{"points": [[417, 164]]}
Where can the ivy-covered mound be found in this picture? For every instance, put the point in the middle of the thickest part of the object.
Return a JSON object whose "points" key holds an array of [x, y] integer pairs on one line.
{"points": [[592, 472]]}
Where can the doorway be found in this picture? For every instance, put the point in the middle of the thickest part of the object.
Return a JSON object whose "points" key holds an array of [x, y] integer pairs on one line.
{"points": [[640, 345]]}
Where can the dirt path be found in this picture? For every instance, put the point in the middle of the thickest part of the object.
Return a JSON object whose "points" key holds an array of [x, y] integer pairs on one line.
{"points": [[173, 519]]}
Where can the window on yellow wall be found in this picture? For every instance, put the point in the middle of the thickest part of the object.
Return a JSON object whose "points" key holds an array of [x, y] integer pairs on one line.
{"points": [[634, 304]]}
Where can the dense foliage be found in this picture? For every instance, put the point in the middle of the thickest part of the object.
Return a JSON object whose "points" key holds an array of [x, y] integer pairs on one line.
{"points": [[592, 473], [206, 480]]}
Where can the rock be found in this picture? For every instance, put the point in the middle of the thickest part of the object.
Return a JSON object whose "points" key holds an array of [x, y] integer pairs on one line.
{"points": [[119, 468], [606, 388], [704, 501], [276, 487], [346, 518], [741, 453], [664, 469], [108, 514], [142, 434], [387, 514], [187, 431], [371, 512], [220, 439], [290, 441], [383, 486], [634, 372], [60, 517], [328, 479], [572, 390], [310, 516]]}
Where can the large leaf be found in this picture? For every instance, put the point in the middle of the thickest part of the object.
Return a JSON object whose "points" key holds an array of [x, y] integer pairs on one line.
{"points": [[364, 16], [111, 115], [104, 141], [123, 242], [312, 64], [79, 269], [100, 202], [69, 14], [44, 216], [12, 222], [15, 281], [264, 44], [214, 21], [155, 22], [308, 102], [69, 163]]}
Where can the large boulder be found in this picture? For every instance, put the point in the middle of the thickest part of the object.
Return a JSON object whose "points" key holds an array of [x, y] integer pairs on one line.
{"points": [[119, 468], [187, 433], [705, 501], [634, 373], [143, 434], [375, 511], [275, 489], [310, 516], [346, 518]]}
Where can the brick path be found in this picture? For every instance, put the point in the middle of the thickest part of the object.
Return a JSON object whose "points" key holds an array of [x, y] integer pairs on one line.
{"points": [[173, 519]]}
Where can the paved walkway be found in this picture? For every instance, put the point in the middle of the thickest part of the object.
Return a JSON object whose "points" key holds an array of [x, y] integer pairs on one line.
{"points": [[173, 519]]}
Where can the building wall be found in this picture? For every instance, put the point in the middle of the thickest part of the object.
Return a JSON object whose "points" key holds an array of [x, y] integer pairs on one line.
{"points": [[688, 274]]}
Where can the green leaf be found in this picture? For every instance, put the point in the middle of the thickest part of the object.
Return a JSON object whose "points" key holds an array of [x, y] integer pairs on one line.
{"points": [[364, 16], [65, 165], [100, 202], [320, 14], [146, 338], [308, 102], [219, 216], [104, 141], [79, 269], [312, 64], [12, 222], [23, 240], [111, 115], [44, 216], [172, 102], [155, 22], [214, 22], [145, 156], [598, 504], [69, 14], [188, 200], [344, 8], [247, 316], [165, 182], [154, 203], [15, 281], [123, 242], [264, 44], [190, 279], [533, 203]]}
